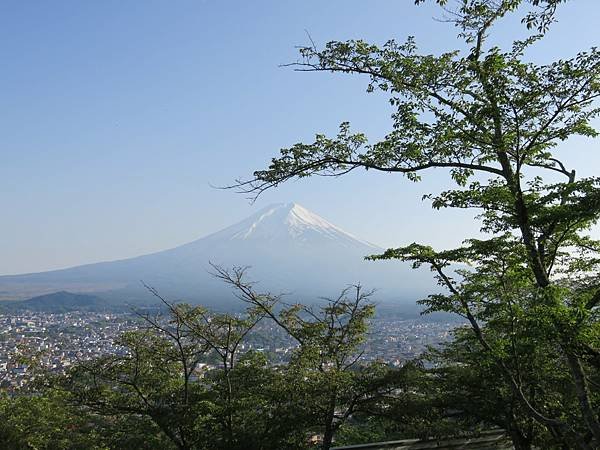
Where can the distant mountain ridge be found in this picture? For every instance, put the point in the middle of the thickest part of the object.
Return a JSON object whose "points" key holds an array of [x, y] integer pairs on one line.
{"points": [[289, 248], [60, 302]]}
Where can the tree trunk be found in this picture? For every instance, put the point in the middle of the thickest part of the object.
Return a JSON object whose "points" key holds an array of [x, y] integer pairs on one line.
{"points": [[581, 389], [327, 437], [519, 441], [329, 426]]}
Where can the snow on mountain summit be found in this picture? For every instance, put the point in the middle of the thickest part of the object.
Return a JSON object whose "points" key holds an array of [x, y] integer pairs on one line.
{"points": [[289, 221], [289, 248]]}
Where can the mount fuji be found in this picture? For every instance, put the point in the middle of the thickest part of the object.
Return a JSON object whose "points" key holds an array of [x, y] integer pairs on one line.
{"points": [[286, 247]]}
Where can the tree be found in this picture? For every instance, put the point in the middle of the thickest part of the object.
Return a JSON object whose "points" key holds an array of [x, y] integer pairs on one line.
{"points": [[326, 379], [145, 386], [492, 120], [46, 422], [465, 388], [158, 379], [408, 410], [242, 401]]}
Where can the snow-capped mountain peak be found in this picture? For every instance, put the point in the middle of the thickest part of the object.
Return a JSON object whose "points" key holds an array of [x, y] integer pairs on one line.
{"points": [[289, 221], [289, 248]]}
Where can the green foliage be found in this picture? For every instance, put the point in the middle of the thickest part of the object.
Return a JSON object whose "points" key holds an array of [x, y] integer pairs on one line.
{"points": [[45, 422], [182, 381], [466, 381], [325, 379], [529, 287]]}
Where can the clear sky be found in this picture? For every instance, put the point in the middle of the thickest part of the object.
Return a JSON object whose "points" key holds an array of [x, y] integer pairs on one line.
{"points": [[116, 117]]}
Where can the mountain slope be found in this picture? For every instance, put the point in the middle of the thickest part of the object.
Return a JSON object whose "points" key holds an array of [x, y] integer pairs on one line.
{"points": [[288, 247]]}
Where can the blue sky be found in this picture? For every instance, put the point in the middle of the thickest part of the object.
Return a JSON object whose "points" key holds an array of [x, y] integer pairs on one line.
{"points": [[116, 118]]}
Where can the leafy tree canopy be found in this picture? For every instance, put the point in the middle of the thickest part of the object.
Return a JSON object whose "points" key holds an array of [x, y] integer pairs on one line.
{"points": [[492, 120]]}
